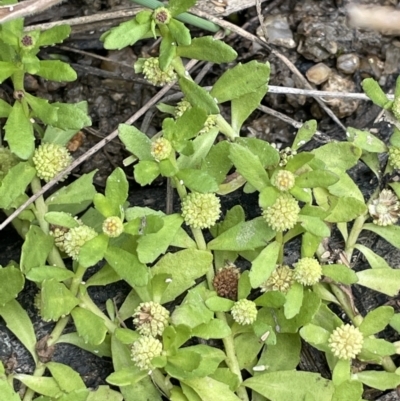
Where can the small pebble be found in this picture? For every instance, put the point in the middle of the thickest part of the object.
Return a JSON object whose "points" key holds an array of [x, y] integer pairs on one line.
{"points": [[318, 73], [348, 63]]}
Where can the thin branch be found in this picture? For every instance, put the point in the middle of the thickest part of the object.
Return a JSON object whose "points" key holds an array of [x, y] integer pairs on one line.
{"points": [[25, 8]]}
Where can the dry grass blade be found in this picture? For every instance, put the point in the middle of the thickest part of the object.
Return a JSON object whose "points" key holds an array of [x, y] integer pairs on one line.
{"points": [[25, 8]]}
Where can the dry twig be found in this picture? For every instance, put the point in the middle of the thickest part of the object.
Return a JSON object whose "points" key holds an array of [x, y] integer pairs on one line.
{"points": [[28, 7]]}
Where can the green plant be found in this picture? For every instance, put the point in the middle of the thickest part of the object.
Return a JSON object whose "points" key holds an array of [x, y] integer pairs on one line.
{"points": [[302, 194]]}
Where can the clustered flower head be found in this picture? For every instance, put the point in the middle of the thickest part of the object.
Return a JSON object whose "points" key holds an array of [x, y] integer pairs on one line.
{"points": [[385, 210], [181, 107], [211, 122], [7, 160], [307, 271], [162, 15], [113, 226], [226, 282], [161, 149], [244, 312], [281, 280], [282, 215], [144, 350], [283, 180], [286, 154], [154, 74], [346, 342], [201, 210], [75, 238], [150, 319], [394, 156], [50, 159], [58, 232]]}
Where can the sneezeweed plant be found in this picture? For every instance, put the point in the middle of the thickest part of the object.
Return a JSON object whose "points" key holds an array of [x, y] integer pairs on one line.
{"points": [[260, 314]]}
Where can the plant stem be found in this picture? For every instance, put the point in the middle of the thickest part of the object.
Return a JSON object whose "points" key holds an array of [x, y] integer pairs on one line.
{"points": [[226, 128]]}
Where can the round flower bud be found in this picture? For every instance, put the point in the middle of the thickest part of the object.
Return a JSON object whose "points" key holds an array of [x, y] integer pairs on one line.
{"points": [[50, 159], [346, 342], [181, 107], [161, 149], [394, 157], [281, 280], [283, 180], [226, 282], [201, 210], [385, 210], [7, 160], [113, 226], [144, 350], [282, 215], [162, 15], [244, 312], [307, 271], [153, 73], [75, 238], [150, 319]]}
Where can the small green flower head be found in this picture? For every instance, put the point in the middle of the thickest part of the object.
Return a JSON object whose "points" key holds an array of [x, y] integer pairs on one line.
{"points": [[150, 319], [113, 226], [201, 210], [244, 312], [75, 238], [226, 282], [181, 107], [7, 160], [286, 154], [281, 280], [396, 107], [282, 215], [385, 210], [144, 350], [162, 15], [346, 342], [153, 73], [161, 149], [307, 271], [211, 122], [58, 233], [394, 156], [50, 159], [283, 180]]}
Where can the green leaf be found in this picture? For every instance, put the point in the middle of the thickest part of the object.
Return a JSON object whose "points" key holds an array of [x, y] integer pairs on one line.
{"points": [[275, 386], [98, 350], [167, 51], [177, 7], [197, 96], [395, 322], [73, 198], [6, 70], [381, 280], [376, 320], [264, 264], [318, 178], [314, 225], [39, 274], [375, 92], [176, 265], [66, 377], [294, 300], [41, 385], [346, 155], [5, 109], [179, 32], [348, 391], [213, 329], [304, 134], [208, 49], [365, 140], [375, 349], [390, 233], [219, 304], [104, 393], [340, 273], [249, 166], [345, 209], [374, 260], [146, 171], [241, 80], [127, 266], [19, 132], [135, 141], [126, 376], [125, 34], [6, 389], [46, 112], [117, 189], [244, 236], [209, 389], [53, 35], [17, 321], [72, 116], [198, 181], [89, 326], [56, 70], [247, 346], [12, 283], [316, 336], [126, 336], [61, 219], [379, 380]]}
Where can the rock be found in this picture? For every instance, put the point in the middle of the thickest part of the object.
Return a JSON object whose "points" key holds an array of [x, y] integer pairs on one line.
{"points": [[278, 31], [318, 73], [348, 63]]}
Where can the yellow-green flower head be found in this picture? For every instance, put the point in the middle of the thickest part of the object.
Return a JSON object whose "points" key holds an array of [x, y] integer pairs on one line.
{"points": [[244, 312], [153, 73], [161, 149], [346, 342], [58, 233], [7, 160], [307, 271], [150, 319], [201, 210], [144, 350], [181, 107], [281, 280], [162, 15], [385, 210], [396, 107], [286, 154], [50, 159], [394, 157], [211, 122], [283, 180], [282, 215], [75, 238], [113, 226]]}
